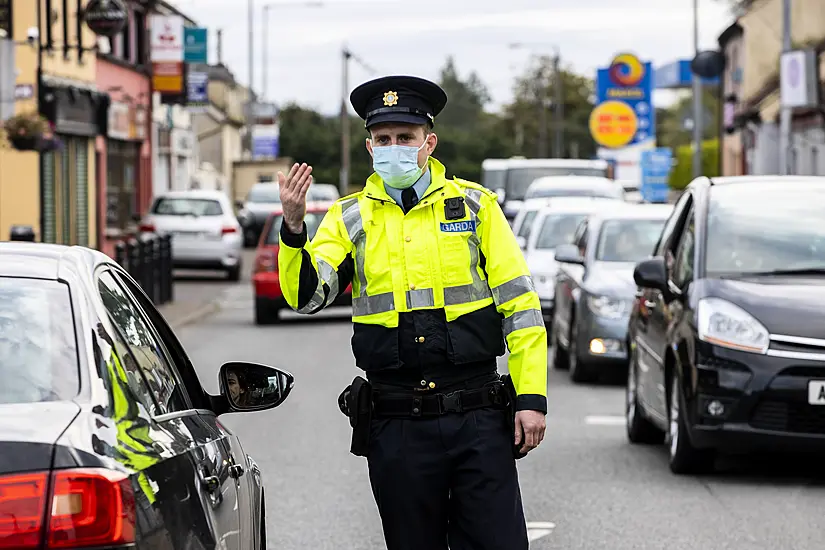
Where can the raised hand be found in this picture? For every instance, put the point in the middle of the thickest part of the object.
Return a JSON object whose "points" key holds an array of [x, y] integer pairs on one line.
{"points": [[293, 189]]}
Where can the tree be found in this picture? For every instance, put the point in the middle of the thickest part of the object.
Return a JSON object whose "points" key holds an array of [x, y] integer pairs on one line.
{"points": [[465, 98], [670, 123]]}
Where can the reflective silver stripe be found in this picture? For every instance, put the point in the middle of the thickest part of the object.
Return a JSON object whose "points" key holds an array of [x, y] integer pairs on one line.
{"points": [[422, 297], [478, 289], [351, 214], [523, 319], [329, 276], [503, 293], [370, 305], [317, 300]]}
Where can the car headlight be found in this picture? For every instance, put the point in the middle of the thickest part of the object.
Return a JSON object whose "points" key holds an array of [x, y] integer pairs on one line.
{"points": [[722, 323], [607, 306]]}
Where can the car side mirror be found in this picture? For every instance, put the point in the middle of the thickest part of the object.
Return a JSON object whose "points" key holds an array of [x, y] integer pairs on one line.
{"points": [[501, 194], [568, 254], [253, 387], [651, 273], [522, 243], [239, 205]]}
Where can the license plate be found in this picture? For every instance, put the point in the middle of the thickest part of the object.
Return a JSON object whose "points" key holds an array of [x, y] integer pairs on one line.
{"points": [[816, 392]]}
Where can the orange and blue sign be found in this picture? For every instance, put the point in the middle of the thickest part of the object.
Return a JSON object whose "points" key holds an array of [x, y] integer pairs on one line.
{"points": [[623, 115]]}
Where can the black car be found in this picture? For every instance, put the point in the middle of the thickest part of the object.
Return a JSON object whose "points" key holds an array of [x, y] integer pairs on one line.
{"points": [[107, 438], [727, 333]]}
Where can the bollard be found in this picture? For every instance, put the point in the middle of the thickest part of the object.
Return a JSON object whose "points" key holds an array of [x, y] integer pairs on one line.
{"points": [[156, 286], [167, 268], [120, 254], [146, 279], [133, 251], [22, 233]]}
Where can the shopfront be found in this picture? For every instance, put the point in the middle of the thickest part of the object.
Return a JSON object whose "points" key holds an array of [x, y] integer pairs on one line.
{"points": [[68, 182]]}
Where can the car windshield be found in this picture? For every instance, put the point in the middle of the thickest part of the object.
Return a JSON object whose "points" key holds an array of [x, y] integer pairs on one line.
{"points": [[38, 346], [493, 179], [627, 240], [264, 193], [584, 190], [558, 229], [519, 179], [527, 224], [173, 206], [763, 227], [322, 193], [312, 219]]}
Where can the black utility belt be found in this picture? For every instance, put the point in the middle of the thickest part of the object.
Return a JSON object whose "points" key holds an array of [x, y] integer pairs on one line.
{"points": [[410, 405]]}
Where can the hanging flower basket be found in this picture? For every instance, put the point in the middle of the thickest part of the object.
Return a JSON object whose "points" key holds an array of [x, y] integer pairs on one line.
{"points": [[46, 144], [24, 131]]}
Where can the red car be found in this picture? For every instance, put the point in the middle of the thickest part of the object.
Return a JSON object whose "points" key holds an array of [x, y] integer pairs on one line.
{"points": [[269, 299]]}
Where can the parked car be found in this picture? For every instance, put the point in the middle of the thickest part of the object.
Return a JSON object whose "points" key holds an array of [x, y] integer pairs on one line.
{"points": [[323, 192], [523, 223], [727, 339], [632, 190], [261, 201], [574, 186], [205, 232], [269, 299], [108, 437], [594, 288], [555, 225]]}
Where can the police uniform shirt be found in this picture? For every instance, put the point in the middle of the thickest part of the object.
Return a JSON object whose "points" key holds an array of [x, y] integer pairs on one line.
{"points": [[420, 188]]}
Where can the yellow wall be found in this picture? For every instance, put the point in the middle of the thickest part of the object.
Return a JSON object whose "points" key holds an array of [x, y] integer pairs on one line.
{"points": [[20, 171]]}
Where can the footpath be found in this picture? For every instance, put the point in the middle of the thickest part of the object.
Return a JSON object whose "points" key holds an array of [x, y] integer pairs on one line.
{"points": [[193, 302]]}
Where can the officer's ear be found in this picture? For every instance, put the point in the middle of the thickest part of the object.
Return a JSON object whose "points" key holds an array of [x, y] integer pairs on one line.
{"points": [[369, 145], [432, 141]]}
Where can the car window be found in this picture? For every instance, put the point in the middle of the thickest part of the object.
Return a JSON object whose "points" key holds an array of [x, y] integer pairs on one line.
{"points": [[600, 191], [558, 229], [312, 219], [683, 272], [168, 206], [527, 224], [144, 346], [627, 240], [584, 236], [268, 192], [672, 222], [38, 344]]}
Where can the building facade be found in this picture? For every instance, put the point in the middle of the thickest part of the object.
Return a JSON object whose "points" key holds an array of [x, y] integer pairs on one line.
{"points": [[54, 191], [175, 156], [124, 154]]}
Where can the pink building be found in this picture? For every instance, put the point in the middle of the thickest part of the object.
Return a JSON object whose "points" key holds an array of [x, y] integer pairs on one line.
{"points": [[124, 155]]}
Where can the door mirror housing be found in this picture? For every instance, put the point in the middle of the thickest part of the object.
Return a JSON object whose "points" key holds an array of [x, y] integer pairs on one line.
{"points": [[568, 254], [522, 243], [248, 387], [501, 193], [651, 273]]}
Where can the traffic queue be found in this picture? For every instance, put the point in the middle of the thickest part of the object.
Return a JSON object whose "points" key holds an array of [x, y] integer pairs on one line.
{"points": [[709, 308]]}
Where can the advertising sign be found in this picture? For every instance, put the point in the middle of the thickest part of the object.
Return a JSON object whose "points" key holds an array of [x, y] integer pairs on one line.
{"points": [[265, 142], [166, 51], [197, 90], [195, 45], [106, 17], [799, 79], [656, 165]]}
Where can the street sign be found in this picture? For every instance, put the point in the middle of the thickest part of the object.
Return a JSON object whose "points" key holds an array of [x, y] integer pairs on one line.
{"points": [[195, 45], [656, 165], [106, 17]]}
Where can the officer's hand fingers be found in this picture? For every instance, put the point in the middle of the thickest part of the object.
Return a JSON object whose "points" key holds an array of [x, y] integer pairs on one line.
{"points": [[306, 181], [281, 182], [290, 177], [518, 431]]}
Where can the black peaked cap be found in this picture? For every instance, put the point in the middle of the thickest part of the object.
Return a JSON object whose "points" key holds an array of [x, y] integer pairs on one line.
{"points": [[406, 99]]}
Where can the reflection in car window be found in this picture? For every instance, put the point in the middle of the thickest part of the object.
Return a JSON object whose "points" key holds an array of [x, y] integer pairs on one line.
{"points": [[135, 382], [762, 227], [527, 224], [187, 207], [312, 219], [627, 240], [601, 191], [684, 260], [143, 345], [558, 229], [38, 347], [267, 192]]}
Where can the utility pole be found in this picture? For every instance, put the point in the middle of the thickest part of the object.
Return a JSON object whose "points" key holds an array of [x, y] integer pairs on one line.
{"points": [[220, 46], [697, 99], [264, 52], [343, 183], [559, 104], [543, 100], [249, 100], [785, 114]]}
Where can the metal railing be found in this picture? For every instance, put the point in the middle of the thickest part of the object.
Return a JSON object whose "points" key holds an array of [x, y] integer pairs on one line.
{"points": [[148, 259]]}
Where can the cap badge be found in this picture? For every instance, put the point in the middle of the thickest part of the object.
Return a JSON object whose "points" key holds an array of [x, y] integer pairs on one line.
{"points": [[390, 99]]}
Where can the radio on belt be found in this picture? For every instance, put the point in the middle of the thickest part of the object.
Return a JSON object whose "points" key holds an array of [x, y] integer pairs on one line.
{"points": [[454, 208]]}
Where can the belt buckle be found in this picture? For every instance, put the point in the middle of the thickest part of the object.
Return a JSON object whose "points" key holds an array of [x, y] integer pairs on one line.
{"points": [[450, 402]]}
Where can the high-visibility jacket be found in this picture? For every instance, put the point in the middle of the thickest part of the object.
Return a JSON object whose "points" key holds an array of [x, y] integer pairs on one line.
{"points": [[454, 253]]}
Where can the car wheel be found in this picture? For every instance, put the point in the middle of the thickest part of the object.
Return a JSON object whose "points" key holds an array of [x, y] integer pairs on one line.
{"points": [[234, 273], [639, 428], [559, 357], [580, 371], [684, 457], [266, 314]]}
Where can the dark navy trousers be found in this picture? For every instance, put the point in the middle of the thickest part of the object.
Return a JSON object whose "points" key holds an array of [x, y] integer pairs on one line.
{"points": [[447, 482]]}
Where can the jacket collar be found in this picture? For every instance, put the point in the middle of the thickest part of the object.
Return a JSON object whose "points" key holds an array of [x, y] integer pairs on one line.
{"points": [[374, 188]]}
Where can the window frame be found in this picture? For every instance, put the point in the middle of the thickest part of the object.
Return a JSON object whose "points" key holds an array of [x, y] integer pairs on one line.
{"points": [[675, 276]]}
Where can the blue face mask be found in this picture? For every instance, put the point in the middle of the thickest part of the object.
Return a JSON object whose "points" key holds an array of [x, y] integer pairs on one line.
{"points": [[397, 164]]}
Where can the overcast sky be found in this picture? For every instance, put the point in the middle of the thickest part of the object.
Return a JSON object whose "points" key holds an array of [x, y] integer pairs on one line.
{"points": [[416, 36]]}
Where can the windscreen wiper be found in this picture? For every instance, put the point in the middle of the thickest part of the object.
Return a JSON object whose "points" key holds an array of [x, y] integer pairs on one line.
{"points": [[801, 271]]}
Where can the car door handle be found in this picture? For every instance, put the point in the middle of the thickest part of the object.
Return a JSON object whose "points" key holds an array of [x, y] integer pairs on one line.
{"points": [[650, 304], [209, 482], [236, 471]]}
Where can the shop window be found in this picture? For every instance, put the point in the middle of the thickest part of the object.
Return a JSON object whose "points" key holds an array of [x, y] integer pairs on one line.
{"points": [[66, 193], [121, 184]]}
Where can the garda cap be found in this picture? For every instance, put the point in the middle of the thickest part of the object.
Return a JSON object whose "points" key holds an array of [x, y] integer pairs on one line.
{"points": [[406, 99]]}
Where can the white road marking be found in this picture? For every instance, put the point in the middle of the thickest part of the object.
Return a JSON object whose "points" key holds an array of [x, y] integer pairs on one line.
{"points": [[605, 420], [539, 529]]}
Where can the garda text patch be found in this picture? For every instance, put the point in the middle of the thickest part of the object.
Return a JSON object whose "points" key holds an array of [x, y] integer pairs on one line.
{"points": [[467, 226]]}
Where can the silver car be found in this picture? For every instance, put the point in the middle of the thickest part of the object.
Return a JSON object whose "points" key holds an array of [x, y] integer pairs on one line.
{"points": [[205, 232]]}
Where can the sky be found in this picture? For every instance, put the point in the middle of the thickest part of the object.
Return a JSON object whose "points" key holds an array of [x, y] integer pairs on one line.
{"points": [[415, 37]]}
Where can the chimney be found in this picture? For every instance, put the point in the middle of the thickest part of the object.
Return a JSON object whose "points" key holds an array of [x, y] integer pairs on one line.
{"points": [[220, 47]]}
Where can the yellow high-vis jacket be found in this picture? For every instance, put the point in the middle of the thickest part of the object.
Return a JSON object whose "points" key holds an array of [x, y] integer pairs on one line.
{"points": [[450, 270]]}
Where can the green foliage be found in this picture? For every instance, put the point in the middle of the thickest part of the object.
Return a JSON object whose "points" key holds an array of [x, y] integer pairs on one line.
{"points": [[682, 173]]}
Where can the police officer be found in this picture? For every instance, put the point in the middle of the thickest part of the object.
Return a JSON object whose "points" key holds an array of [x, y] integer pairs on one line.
{"points": [[439, 286]]}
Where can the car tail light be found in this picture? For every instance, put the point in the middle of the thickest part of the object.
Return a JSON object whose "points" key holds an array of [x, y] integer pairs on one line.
{"points": [[84, 508], [227, 230], [266, 261], [147, 227]]}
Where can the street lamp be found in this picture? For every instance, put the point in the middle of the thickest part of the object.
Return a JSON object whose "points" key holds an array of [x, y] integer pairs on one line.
{"points": [[265, 33]]}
